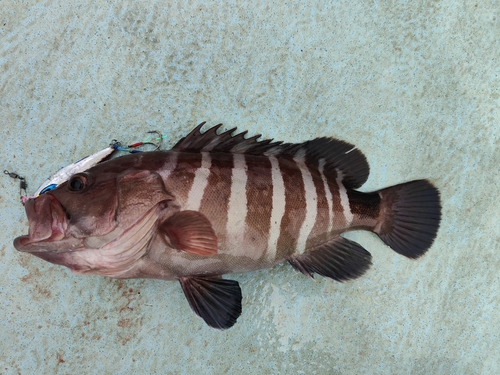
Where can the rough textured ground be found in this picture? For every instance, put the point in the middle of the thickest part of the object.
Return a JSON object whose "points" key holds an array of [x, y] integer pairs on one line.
{"points": [[415, 85]]}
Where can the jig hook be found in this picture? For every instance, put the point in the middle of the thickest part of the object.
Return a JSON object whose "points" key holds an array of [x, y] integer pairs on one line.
{"points": [[150, 141]]}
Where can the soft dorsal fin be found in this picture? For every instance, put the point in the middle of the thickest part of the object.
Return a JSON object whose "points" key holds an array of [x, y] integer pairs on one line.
{"points": [[337, 159]]}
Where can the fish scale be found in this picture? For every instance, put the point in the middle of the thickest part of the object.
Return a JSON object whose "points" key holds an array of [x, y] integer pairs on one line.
{"points": [[240, 208]]}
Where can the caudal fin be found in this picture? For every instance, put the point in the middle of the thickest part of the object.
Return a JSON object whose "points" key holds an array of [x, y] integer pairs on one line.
{"points": [[410, 214]]}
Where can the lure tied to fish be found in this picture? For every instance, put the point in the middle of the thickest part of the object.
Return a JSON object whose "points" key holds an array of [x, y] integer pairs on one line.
{"points": [[222, 203]]}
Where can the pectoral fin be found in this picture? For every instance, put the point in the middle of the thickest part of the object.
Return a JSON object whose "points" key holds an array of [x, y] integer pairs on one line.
{"points": [[190, 231], [339, 259], [217, 301]]}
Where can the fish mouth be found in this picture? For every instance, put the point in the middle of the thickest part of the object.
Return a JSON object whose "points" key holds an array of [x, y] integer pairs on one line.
{"points": [[47, 224]]}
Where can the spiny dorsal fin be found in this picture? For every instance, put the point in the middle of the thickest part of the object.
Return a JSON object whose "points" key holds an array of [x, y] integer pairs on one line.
{"points": [[338, 159], [210, 141]]}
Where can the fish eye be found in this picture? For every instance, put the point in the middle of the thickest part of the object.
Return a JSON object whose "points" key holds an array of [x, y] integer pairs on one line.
{"points": [[77, 182]]}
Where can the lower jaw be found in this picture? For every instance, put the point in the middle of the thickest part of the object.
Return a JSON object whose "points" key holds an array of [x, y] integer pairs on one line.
{"points": [[25, 245]]}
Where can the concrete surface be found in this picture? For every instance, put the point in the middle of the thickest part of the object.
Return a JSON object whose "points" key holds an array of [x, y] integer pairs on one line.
{"points": [[415, 85]]}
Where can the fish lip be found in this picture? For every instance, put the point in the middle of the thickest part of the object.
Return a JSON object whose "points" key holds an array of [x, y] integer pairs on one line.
{"points": [[47, 224]]}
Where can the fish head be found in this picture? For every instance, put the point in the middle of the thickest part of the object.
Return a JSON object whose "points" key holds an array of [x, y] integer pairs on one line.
{"points": [[84, 206], [91, 213]]}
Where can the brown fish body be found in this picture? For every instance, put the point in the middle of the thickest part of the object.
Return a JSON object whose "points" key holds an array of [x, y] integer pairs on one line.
{"points": [[220, 203]]}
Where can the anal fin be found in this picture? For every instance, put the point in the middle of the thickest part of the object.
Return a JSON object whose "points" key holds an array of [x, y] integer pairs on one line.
{"points": [[216, 300], [339, 259]]}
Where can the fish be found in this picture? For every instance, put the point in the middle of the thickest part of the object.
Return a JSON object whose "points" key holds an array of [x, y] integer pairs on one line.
{"points": [[221, 202]]}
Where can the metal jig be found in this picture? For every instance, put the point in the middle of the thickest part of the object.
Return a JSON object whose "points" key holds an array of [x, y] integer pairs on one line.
{"points": [[82, 165]]}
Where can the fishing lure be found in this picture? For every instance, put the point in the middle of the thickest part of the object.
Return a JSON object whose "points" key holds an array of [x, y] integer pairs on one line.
{"points": [[82, 165], [63, 174]]}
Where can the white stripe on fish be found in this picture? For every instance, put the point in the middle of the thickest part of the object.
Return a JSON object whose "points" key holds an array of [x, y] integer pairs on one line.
{"points": [[328, 194], [311, 201], [237, 207], [277, 209], [344, 199], [200, 183]]}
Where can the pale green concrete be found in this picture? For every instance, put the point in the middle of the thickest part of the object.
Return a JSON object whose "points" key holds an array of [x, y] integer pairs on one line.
{"points": [[415, 85]]}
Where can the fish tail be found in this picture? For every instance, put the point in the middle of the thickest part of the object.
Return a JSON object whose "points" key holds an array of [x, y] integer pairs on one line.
{"points": [[409, 217]]}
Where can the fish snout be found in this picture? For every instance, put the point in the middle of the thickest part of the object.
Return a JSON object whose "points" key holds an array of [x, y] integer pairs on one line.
{"points": [[47, 222]]}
